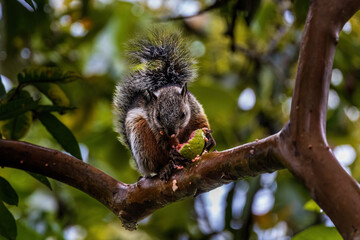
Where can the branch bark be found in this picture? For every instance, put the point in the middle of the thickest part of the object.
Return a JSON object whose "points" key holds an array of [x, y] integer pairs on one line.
{"points": [[133, 202], [301, 146], [304, 147]]}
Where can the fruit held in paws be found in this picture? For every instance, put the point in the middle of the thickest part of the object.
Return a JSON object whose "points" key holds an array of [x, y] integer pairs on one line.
{"points": [[194, 146]]}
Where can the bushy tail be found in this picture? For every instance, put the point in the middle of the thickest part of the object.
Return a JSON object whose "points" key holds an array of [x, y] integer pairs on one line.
{"points": [[163, 58], [160, 59]]}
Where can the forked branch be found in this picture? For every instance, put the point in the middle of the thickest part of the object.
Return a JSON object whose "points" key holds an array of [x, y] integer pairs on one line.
{"points": [[304, 147]]}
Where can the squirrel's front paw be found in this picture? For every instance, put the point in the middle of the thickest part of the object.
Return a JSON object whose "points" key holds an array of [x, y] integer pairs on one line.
{"points": [[177, 158], [210, 141]]}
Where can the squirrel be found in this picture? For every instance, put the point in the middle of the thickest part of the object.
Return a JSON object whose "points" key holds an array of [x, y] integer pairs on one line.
{"points": [[154, 109]]}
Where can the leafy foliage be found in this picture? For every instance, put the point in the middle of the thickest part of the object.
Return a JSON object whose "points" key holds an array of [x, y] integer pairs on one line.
{"points": [[2, 89], [61, 133], [17, 109], [7, 223], [318, 232], [41, 179], [17, 127], [7, 193], [16, 105], [46, 74]]}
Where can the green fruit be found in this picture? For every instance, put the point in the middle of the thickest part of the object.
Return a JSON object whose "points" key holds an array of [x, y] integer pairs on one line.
{"points": [[194, 146]]}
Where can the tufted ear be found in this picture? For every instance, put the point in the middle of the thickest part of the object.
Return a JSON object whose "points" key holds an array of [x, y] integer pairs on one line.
{"points": [[151, 96], [184, 90]]}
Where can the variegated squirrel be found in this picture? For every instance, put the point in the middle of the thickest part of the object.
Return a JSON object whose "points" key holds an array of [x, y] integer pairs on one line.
{"points": [[153, 107]]}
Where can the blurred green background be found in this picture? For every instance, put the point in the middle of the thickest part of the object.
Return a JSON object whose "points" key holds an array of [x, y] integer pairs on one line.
{"points": [[247, 55]]}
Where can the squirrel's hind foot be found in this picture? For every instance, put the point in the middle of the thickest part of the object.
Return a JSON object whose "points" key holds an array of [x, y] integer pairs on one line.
{"points": [[166, 171]]}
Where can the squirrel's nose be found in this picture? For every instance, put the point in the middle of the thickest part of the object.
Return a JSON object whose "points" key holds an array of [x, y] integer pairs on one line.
{"points": [[171, 132]]}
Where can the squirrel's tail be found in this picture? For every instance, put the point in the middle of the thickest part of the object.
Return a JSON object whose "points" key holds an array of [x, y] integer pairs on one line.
{"points": [[161, 59]]}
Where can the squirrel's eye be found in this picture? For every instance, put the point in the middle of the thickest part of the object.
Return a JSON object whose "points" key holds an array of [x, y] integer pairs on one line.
{"points": [[158, 118], [182, 115]]}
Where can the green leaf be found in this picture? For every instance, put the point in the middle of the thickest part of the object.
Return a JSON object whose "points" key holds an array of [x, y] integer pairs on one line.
{"points": [[16, 107], [251, 8], [54, 93], [311, 205], [61, 133], [2, 89], [7, 223], [318, 232], [46, 74], [7, 193], [25, 232], [17, 127], [300, 9], [41, 178]]}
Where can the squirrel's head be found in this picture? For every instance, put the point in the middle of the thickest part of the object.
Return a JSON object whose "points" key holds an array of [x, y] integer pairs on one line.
{"points": [[169, 110]]}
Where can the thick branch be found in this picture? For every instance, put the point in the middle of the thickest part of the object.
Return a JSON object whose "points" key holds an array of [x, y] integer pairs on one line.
{"points": [[131, 203], [304, 146], [324, 22], [60, 166]]}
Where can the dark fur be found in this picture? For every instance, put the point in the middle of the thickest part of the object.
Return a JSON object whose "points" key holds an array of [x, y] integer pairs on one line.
{"points": [[165, 61]]}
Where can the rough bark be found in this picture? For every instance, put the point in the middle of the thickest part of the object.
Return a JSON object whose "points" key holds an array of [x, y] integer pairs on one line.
{"points": [[301, 146], [304, 147], [133, 202]]}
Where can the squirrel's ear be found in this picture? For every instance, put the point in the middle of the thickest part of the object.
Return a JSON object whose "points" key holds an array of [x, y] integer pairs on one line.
{"points": [[184, 90], [152, 95]]}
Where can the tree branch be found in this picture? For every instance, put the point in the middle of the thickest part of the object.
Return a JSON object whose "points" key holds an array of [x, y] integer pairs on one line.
{"points": [[304, 147], [133, 202]]}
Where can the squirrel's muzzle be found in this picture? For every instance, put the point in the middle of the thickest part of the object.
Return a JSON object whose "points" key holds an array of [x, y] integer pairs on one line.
{"points": [[171, 132]]}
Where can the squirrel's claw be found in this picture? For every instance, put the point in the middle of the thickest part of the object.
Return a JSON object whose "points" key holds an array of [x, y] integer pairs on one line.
{"points": [[177, 158], [211, 141], [176, 162]]}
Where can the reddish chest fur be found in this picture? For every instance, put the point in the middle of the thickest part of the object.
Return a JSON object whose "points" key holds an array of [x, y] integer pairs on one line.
{"points": [[155, 157]]}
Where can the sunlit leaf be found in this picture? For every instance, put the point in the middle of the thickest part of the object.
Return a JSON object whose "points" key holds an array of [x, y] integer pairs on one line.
{"points": [[7, 223], [319, 232], [61, 133], [16, 107], [46, 74], [54, 93], [311, 205], [41, 178], [7, 193]]}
